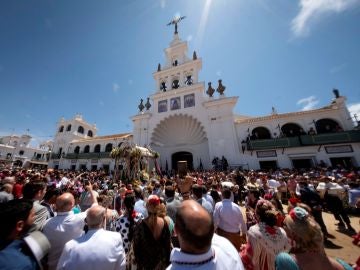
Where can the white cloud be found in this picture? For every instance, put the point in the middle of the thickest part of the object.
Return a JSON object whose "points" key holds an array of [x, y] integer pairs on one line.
{"points": [[308, 103], [354, 109], [311, 10], [115, 87]]}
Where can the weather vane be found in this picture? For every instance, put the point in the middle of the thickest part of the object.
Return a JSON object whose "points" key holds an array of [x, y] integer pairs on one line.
{"points": [[175, 21]]}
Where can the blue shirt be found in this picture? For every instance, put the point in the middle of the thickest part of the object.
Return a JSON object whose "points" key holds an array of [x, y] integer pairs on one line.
{"points": [[17, 256]]}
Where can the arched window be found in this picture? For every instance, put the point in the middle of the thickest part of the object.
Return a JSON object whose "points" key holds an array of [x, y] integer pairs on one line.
{"points": [[97, 148], [292, 130], [87, 149], [163, 86], [189, 80], [327, 126], [68, 128], [21, 152], [175, 84], [61, 129], [81, 130], [175, 62], [77, 150], [260, 133], [90, 133], [60, 151], [108, 147]]}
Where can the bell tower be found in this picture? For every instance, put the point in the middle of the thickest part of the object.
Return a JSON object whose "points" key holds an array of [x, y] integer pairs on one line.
{"points": [[179, 70]]}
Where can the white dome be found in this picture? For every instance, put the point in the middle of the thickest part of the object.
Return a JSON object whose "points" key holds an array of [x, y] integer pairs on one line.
{"points": [[177, 130]]}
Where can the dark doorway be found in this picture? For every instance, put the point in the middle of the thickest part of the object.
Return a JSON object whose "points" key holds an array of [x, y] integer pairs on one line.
{"points": [[73, 167], [93, 167], [267, 165], [302, 163], [83, 167], [180, 156], [343, 162]]}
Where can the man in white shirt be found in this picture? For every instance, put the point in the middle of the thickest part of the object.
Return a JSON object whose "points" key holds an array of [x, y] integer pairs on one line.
{"points": [[64, 227], [200, 248], [229, 221], [97, 249]]}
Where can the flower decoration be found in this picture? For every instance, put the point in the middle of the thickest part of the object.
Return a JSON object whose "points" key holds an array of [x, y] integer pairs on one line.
{"points": [[154, 200], [299, 214]]}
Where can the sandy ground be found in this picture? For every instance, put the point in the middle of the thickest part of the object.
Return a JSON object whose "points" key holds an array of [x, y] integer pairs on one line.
{"points": [[341, 246]]}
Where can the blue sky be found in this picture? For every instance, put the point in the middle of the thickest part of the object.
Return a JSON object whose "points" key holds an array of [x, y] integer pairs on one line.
{"points": [[59, 58]]}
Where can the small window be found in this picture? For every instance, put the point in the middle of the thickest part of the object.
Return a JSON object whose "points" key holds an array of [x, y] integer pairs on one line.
{"points": [[87, 149], [189, 80], [163, 86], [108, 147], [175, 63], [175, 84], [21, 152], [77, 150], [61, 129], [97, 148], [90, 133], [81, 130], [68, 128]]}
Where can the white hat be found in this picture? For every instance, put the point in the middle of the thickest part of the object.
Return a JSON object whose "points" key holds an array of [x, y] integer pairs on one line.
{"points": [[38, 244]]}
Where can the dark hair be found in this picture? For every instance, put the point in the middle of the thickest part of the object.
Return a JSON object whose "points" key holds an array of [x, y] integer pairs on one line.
{"points": [[10, 213], [215, 195], [51, 192], [32, 188], [226, 193], [169, 191], [138, 193], [197, 241], [129, 202], [197, 190], [267, 213]]}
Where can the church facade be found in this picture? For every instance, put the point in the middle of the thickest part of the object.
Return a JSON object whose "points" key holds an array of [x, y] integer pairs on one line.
{"points": [[186, 119]]}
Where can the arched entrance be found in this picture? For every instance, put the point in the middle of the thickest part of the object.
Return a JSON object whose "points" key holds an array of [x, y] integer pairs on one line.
{"points": [[182, 156]]}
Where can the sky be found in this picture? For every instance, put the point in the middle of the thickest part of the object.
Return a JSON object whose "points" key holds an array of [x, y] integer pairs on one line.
{"points": [[96, 58]]}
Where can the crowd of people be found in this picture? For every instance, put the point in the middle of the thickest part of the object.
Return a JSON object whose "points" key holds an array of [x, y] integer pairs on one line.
{"points": [[52, 219]]}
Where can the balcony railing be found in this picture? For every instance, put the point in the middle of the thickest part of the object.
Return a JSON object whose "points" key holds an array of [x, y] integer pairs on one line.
{"points": [[87, 155], [305, 140]]}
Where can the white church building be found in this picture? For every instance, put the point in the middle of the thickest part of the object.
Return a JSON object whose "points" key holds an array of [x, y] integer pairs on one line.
{"points": [[187, 119]]}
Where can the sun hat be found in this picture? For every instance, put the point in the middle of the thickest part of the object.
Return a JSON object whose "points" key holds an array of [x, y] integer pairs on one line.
{"points": [[38, 244]]}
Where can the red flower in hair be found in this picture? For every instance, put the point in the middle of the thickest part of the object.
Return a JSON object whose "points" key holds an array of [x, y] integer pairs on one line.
{"points": [[133, 214], [292, 214], [270, 230], [153, 199]]}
